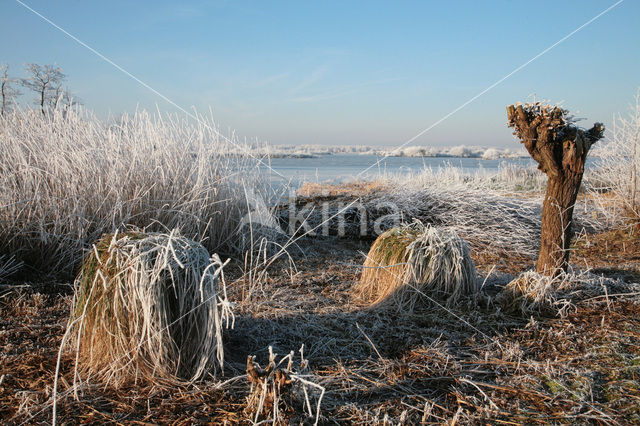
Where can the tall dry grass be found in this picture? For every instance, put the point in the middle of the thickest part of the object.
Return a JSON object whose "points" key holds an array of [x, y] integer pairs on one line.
{"points": [[67, 178], [619, 167]]}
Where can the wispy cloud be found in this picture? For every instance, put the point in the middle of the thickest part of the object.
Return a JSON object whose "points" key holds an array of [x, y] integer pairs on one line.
{"points": [[339, 92], [316, 75], [322, 96], [269, 80]]}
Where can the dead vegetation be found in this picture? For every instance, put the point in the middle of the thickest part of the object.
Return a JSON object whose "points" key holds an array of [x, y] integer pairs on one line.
{"points": [[281, 389], [471, 364], [145, 335], [534, 293]]}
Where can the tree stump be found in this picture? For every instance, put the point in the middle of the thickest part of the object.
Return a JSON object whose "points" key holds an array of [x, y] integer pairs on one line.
{"points": [[560, 148]]}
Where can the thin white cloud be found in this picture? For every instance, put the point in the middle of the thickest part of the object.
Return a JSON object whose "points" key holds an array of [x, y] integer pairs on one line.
{"points": [[339, 92], [313, 78], [269, 80], [322, 96]]}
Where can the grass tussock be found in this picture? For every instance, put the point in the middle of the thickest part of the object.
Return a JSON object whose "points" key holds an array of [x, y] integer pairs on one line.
{"points": [[534, 293], [413, 261], [148, 306]]}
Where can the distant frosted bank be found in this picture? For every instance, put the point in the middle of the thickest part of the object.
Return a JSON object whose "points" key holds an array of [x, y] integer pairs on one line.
{"points": [[458, 151], [314, 151]]}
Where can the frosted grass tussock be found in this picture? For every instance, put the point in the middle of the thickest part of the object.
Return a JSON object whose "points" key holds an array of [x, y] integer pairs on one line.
{"points": [[67, 178], [414, 261], [149, 306], [534, 293]]}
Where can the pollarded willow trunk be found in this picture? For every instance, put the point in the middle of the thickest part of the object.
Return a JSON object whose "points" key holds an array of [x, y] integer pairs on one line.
{"points": [[560, 149]]}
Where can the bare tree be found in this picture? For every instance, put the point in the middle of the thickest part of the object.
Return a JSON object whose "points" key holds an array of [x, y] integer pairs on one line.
{"points": [[560, 149], [7, 91], [46, 81], [55, 97], [61, 97], [68, 100]]}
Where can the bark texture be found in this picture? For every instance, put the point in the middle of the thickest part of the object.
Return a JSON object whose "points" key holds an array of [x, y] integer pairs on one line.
{"points": [[560, 149]]}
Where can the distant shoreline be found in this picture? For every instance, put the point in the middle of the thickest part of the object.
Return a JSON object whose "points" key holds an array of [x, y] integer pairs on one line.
{"points": [[318, 151], [441, 155]]}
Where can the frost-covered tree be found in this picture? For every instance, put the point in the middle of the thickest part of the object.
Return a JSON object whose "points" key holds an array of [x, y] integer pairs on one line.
{"points": [[560, 148], [46, 81], [8, 92], [62, 97]]}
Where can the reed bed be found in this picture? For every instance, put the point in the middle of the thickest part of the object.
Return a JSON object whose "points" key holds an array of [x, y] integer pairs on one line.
{"points": [[490, 221], [148, 307], [509, 178], [493, 218], [67, 177], [407, 263]]}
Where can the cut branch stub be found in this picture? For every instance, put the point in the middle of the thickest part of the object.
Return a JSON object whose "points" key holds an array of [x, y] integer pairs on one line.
{"points": [[560, 149]]}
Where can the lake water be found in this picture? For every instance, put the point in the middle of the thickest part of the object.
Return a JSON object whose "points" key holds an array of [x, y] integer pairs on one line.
{"points": [[345, 167]]}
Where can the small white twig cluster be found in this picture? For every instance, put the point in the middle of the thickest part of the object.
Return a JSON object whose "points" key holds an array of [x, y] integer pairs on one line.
{"points": [[271, 385]]}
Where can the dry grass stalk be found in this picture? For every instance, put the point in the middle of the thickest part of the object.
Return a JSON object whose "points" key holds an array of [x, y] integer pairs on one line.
{"points": [[619, 166], [8, 266], [414, 260], [147, 306], [277, 390]]}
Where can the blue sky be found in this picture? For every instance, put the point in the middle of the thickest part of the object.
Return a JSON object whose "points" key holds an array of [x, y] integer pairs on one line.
{"points": [[337, 72]]}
